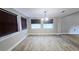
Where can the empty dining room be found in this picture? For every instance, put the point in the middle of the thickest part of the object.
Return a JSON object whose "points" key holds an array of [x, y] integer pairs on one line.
{"points": [[39, 29]]}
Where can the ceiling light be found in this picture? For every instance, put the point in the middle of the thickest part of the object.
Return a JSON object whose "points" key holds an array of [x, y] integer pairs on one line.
{"points": [[45, 18], [63, 11], [42, 19]]}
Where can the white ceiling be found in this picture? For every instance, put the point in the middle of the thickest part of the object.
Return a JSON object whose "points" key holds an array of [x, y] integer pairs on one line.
{"points": [[51, 12]]}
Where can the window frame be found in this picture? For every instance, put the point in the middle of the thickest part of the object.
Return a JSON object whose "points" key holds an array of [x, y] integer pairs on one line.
{"points": [[50, 21], [38, 22], [42, 24]]}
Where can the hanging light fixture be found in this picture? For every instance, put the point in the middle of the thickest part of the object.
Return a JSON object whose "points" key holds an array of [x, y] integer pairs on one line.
{"points": [[45, 16]]}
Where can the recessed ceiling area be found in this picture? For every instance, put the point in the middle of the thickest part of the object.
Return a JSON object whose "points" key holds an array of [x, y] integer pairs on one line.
{"points": [[51, 12]]}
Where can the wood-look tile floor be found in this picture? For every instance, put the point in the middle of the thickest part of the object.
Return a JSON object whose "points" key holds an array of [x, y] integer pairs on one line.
{"points": [[47, 43]]}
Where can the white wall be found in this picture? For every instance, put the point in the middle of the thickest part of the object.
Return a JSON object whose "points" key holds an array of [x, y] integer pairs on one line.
{"points": [[10, 41], [41, 31], [70, 24], [62, 25]]}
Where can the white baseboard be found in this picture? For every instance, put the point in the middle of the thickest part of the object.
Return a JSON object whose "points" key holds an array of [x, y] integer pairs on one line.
{"points": [[44, 34]]}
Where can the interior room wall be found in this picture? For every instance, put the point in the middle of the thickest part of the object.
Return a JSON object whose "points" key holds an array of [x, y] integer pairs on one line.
{"points": [[10, 41], [42, 31], [70, 24]]}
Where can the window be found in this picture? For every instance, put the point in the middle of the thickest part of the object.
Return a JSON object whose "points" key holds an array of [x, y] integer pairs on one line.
{"points": [[48, 24], [23, 23], [35, 23], [8, 22]]}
